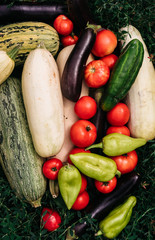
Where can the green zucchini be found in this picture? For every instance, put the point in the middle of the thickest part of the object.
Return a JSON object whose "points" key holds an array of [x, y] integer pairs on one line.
{"points": [[29, 35], [123, 75], [21, 164]]}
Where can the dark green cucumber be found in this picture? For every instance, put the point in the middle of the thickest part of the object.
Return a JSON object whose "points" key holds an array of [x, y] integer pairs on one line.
{"points": [[123, 75], [21, 164]]}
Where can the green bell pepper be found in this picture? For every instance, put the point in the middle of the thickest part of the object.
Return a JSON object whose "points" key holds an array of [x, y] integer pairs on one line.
{"points": [[69, 181], [117, 219], [95, 166], [116, 144]]}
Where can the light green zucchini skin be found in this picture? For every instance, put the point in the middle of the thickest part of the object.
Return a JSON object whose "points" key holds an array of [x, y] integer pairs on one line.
{"points": [[21, 164], [123, 75], [29, 35]]}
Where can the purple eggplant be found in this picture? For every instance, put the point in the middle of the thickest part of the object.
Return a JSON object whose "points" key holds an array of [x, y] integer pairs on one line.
{"points": [[73, 73], [31, 12]]}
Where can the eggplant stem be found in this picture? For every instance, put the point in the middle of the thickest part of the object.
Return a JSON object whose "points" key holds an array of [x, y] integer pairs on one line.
{"points": [[71, 237], [94, 27]]}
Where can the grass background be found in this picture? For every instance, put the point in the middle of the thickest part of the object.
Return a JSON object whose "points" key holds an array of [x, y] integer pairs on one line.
{"points": [[19, 221]]}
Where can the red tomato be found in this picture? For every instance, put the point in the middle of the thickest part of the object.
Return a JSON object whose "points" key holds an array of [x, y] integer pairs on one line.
{"points": [[85, 107], [106, 187], [81, 201], [50, 219], [63, 25], [110, 60], [83, 133], [96, 74], [106, 42], [84, 183], [69, 40], [51, 168], [119, 115], [126, 163], [114, 129], [76, 150]]}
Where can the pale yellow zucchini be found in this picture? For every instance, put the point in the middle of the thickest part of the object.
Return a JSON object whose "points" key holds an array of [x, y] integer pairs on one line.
{"points": [[141, 97], [43, 102], [7, 63], [69, 115]]}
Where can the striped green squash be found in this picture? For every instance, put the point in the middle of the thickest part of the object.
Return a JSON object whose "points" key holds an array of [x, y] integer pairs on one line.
{"points": [[29, 35], [21, 164], [123, 75]]}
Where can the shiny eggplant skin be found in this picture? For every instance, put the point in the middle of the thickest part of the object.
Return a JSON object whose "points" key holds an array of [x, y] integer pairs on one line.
{"points": [[100, 122], [99, 119], [31, 12], [73, 73], [102, 205], [79, 13]]}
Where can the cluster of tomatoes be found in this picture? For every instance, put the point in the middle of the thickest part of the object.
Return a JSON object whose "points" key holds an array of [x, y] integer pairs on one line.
{"points": [[97, 72], [64, 26], [118, 117], [83, 132]]}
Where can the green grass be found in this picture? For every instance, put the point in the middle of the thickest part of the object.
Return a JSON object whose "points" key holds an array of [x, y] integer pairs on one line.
{"points": [[19, 221]]}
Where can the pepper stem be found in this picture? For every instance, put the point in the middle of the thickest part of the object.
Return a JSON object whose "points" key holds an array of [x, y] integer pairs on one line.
{"points": [[99, 233], [118, 173], [54, 188], [97, 145], [13, 52]]}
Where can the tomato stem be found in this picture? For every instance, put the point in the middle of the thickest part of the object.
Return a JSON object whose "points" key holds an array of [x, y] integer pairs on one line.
{"points": [[72, 35], [88, 128], [92, 70], [54, 169], [105, 183]]}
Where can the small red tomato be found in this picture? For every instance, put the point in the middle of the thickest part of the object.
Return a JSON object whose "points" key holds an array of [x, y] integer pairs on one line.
{"points": [[105, 43], [76, 150], [118, 115], [85, 107], [81, 201], [110, 60], [83, 133], [96, 74], [83, 184], [63, 25], [114, 129], [126, 163], [50, 219], [106, 187], [69, 40], [51, 168]]}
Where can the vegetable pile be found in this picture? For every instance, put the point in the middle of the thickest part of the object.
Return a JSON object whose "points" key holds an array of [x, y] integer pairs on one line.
{"points": [[77, 128]]}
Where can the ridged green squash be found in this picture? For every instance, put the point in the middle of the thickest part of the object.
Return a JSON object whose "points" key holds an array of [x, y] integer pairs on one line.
{"points": [[21, 164], [123, 75], [29, 35]]}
